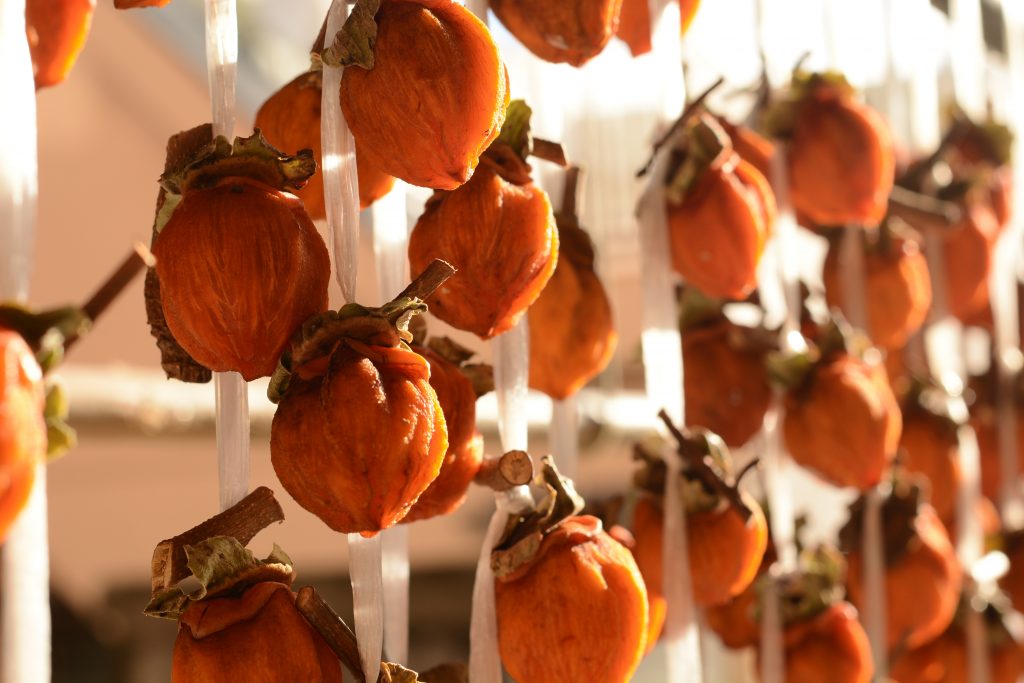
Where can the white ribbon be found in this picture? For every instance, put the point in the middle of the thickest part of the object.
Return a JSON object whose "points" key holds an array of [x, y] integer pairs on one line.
{"points": [[26, 561]]}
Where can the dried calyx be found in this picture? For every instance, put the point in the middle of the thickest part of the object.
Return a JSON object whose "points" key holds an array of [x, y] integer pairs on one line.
{"points": [[508, 154], [779, 119], [702, 144], [707, 476], [480, 375], [792, 370], [525, 531], [991, 141], [926, 395], [691, 110], [387, 325], [221, 567], [353, 44], [902, 497], [810, 589]]}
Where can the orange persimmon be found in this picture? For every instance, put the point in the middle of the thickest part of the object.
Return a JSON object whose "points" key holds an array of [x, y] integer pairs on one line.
{"points": [[830, 646], [22, 427], [577, 611], [574, 32], [290, 120], [56, 30], [437, 92]]}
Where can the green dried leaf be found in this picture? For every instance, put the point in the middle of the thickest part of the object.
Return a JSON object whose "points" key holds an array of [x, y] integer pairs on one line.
{"points": [[515, 132], [354, 43], [60, 437]]}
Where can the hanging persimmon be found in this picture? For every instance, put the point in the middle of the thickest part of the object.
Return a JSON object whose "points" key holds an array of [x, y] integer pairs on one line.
{"points": [[498, 231], [430, 94], [570, 602], [930, 448], [635, 23], [240, 264], [23, 438], [572, 335], [56, 31], [290, 120], [573, 32], [720, 210], [359, 433], [839, 151]]}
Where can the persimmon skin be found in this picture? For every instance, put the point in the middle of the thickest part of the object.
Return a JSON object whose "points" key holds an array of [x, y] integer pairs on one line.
{"points": [[465, 444], [502, 240], [572, 32], [132, 4], [22, 427], [56, 30], [258, 636], [846, 426], [897, 291], [968, 248], [922, 587], [831, 646], [290, 120], [931, 449], [725, 552], [635, 23], [578, 612], [755, 149], [572, 334], [733, 621], [726, 387], [438, 91], [840, 159], [241, 267], [944, 660], [717, 233], [358, 445]]}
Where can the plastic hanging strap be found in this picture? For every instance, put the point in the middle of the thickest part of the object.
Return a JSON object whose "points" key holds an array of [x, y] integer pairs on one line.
{"points": [[390, 240], [364, 566], [511, 372], [851, 267], [341, 183], [565, 444], [26, 562]]}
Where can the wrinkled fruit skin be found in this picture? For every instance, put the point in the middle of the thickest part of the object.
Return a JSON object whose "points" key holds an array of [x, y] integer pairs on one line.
{"points": [[897, 291], [725, 552], [438, 92], [241, 267], [968, 248], [831, 646], [752, 147], [840, 157], [501, 238], [718, 232], [358, 445], [22, 428], [259, 636], [846, 427], [56, 30], [733, 621], [635, 23], [465, 444], [931, 448], [577, 612], [944, 660], [574, 31], [984, 421], [726, 388], [290, 121], [572, 335], [922, 587]]}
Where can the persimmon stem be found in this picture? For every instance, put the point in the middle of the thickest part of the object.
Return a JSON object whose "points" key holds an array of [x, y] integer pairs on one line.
{"points": [[242, 521], [512, 469], [571, 192], [332, 628], [924, 206], [688, 113], [428, 281], [139, 258], [549, 151]]}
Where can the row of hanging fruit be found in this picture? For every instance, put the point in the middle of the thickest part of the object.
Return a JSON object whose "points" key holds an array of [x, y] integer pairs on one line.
{"points": [[375, 423]]}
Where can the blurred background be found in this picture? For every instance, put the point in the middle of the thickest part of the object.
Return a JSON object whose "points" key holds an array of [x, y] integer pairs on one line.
{"points": [[145, 469]]}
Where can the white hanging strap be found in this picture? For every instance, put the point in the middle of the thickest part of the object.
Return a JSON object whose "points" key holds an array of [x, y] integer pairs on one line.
{"points": [[390, 247], [26, 561], [511, 374]]}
